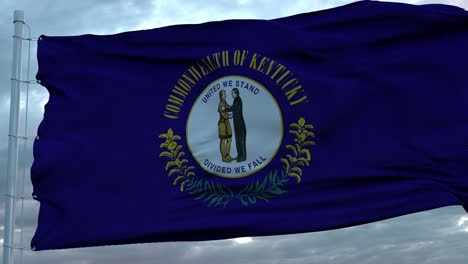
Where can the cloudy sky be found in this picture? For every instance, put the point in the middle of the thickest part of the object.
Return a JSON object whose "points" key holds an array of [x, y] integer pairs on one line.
{"points": [[436, 236]]}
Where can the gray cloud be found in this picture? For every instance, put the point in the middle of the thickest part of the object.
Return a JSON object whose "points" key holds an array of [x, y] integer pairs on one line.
{"points": [[428, 237]]}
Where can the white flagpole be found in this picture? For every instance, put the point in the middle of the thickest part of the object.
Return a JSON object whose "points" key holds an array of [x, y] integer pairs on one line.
{"points": [[12, 168]]}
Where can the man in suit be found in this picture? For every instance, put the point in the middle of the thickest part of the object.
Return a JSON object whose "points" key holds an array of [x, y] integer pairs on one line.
{"points": [[239, 125]]}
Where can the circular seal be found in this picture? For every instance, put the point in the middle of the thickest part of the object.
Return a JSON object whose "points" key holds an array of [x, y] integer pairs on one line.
{"points": [[235, 127]]}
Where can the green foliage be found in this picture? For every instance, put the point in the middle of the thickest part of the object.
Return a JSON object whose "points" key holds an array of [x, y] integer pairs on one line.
{"points": [[271, 186], [214, 194], [219, 195]]}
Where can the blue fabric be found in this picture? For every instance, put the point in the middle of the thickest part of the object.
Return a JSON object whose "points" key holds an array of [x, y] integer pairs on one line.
{"points": [[387, 95]]}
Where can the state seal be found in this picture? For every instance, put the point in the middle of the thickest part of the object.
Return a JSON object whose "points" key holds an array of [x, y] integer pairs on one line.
{"points": [[235, 129]]}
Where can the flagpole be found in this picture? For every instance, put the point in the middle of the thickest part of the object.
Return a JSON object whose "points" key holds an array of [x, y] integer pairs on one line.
{"points": [[12, 168]]}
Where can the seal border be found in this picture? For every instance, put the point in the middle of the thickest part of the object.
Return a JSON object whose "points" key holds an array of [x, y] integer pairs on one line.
{"points": [[277, 147]]}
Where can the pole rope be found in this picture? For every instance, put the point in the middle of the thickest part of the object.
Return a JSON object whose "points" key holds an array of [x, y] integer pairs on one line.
{"points": [[25, 147], [21, 181]]}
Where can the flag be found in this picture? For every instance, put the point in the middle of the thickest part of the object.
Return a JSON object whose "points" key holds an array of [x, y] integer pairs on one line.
{"points": [[236, 128]]}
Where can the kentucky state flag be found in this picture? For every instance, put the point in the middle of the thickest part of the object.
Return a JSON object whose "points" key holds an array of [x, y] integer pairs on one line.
{"points": [[252, 127]]}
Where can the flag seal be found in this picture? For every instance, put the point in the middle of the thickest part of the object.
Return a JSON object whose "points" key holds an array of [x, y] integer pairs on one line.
{"points": [[235, 129]]}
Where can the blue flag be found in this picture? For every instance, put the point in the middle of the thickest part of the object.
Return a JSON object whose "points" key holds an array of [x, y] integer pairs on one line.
{"points": [[241, 128]]}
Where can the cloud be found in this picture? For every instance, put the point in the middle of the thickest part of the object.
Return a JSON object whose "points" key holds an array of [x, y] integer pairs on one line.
{"points": [[462, 223]]}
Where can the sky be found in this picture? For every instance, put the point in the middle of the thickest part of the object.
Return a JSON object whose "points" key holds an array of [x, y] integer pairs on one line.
{"points": [[435, 236]]}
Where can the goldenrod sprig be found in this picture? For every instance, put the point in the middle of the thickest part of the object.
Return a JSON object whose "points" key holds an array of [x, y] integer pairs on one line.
{"points": [[300, 156], [176, 165]]}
